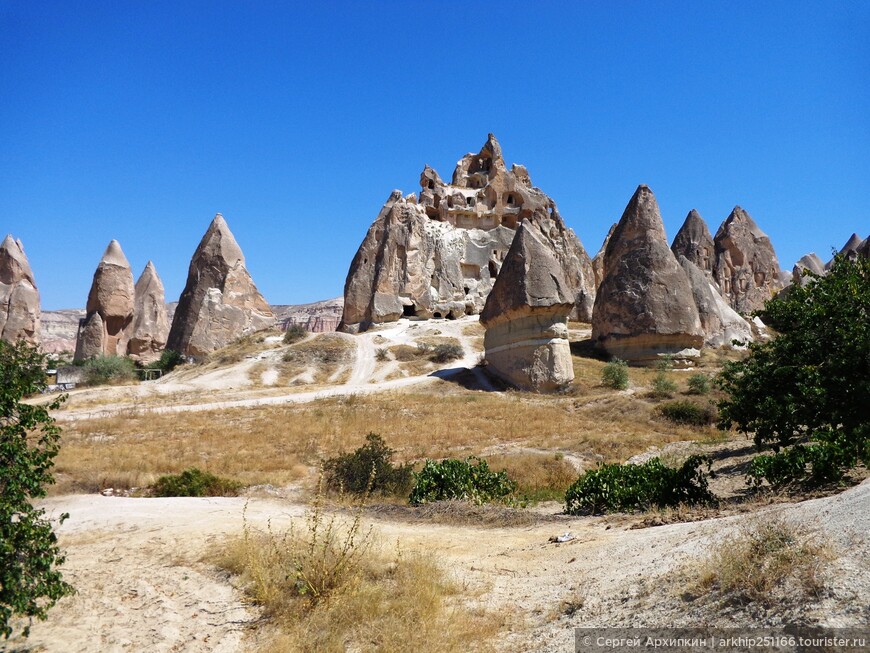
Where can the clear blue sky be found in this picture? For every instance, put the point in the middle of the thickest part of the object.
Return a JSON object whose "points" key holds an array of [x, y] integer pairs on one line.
{"points": [[141, 120]]}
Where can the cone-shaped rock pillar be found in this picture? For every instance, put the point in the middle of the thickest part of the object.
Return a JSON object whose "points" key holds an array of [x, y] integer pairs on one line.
{"points": [[19, 297]]}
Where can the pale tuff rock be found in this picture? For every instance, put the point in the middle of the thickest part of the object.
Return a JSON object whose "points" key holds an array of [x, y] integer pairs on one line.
{"points": [[19, 297], [526, 316], [105, 329], [316, 317], [220, 302], [150, 324], [746, 268], [721, 323], [809, 262], [644, 308], [694, 241], [598, 261], [852, 248], [439, 255]]}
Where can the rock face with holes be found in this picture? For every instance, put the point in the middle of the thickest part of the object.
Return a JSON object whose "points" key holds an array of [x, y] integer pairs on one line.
{"points": [[526, 316], [694, 241], [19, 297], [746, 267], [105, 329], [438, 255], [150, 326], [220, 302], [645, 308], [721, 323]]}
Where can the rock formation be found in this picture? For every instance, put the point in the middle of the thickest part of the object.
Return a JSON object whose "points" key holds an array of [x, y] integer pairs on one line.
{"points": [[809, 262], [105, 330], [439, 256], [864, 248], [721, 323], [694, 241], [316, 317], [850, 249], [644, 308], [220, 302], [19, 297], [526, 316], [598, 261], [746, 267], [150, 325]]}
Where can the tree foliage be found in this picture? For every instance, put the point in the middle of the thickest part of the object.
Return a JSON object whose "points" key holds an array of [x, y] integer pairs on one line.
{"points": [[30, 582], [811, 383]]}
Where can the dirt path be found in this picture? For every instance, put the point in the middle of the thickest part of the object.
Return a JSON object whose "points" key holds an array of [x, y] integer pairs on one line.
{"points": [[141, 587]]}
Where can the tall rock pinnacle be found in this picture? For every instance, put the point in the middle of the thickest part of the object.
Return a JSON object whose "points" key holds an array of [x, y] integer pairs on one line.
{"points": [[19, 297], [644, 308], [220, 302], [150, 326]]}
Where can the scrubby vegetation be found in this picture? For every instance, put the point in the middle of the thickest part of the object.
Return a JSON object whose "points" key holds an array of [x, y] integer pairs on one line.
{"points": [[615, 374], [194, 482], [466, 480], [662, 385], [446, 352], [294, 333], [368, 469], [699, 384], [688, 412], [103, 370], [169, 360], [626, 488], [805, 392]]}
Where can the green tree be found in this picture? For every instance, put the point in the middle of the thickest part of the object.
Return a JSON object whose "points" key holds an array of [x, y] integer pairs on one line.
{"points": [[30, 582], [809, 386]]}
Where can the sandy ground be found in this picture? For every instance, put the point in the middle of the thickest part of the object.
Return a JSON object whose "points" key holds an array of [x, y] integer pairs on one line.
{"points": [[142, 584]]}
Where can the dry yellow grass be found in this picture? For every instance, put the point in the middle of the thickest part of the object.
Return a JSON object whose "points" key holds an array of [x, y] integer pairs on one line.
{"points": [[327, 586], [539, 477], [316, 360]]}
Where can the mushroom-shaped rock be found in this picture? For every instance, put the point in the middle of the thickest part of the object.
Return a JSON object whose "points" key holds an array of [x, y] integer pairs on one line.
{"points": [[722, 324], [644, 308], [809, 262], [439, 256], [220, 302], [19, 297], [526, 316], [104, 331], [150, 324], [746, 267], [694, 241]]}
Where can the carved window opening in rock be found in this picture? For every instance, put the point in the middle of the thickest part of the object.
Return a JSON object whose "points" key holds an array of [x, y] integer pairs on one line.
{"points": [[492, 266], [466, 289], [510, 200], [409, 310], [431, 185], [470, 271], [451, 316], [436, 314], [469, 201], [450, 202]]}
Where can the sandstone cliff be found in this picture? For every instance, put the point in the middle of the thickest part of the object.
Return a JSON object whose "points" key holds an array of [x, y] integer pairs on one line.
{"points": [[440, 255]]}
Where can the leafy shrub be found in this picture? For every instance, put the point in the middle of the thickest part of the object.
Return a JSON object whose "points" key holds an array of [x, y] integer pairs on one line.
{"points": [[821, 462], [615, 374], [30, 583], [465, 480], [368, 469], [102, 370], [617, 488], [699, 384], [294, 333], [662, 386], [382, 354], [810, 382], [194, 482], [169, 360], [688, 412], [444, 353]]}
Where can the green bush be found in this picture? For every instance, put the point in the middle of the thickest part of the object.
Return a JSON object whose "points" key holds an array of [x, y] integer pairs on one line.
{"points": [[688, 412], [445, 353], [102, 370], [662, 386], [368, 469], [465, 480], [810, 382], [815, 464], [194, 482], [615, 374], [699, 384], [294, 333], [625, 488], [30, 583], [169, 360]]}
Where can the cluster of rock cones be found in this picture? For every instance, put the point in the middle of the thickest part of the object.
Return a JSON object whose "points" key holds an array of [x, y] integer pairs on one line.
{"points": [[487, 243]]}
